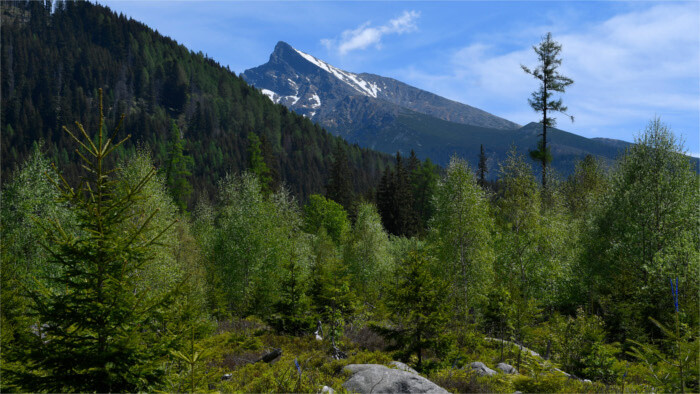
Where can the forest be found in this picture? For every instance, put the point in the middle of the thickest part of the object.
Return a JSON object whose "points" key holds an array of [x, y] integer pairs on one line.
{"points": [[109, 285], [125, 268]]}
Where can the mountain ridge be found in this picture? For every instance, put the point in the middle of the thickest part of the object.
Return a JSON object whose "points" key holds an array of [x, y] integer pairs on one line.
{"points": [[295, 78], [389, 115]]}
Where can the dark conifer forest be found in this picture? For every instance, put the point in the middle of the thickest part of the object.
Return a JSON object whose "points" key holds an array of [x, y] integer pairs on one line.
{"points": [[54, 62], [166, 227]]}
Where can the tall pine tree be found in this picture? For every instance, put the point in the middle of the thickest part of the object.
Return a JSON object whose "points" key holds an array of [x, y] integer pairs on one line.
{"points": [[542, 101]]}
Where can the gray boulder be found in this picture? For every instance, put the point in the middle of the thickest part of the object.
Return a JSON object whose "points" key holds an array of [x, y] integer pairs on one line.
{"points": [[374, 378], [328, 390], [481, 369], [507, 368], [403, 367]]}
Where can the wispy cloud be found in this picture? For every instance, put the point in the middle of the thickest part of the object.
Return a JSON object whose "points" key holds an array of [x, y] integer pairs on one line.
{"points": [[626, 69], [366, 35]]}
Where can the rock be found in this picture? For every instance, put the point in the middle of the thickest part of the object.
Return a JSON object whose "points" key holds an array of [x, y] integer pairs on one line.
{"points": [[524, 349], [507, 368], [403, 367], [271, 356], [326, 389], [374, 378], [587, 381], [227, 376], [481, 369]]}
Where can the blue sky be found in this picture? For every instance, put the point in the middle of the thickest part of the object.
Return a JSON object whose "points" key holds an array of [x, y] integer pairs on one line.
{"points": [[631, 61]]}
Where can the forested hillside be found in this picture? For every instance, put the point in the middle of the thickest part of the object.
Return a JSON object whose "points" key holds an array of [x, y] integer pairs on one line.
{"points": [[54, 62]]}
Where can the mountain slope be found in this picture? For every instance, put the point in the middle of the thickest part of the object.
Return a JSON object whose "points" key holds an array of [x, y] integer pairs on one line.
{"points": [[52, 64], [387, 115], [313, 87]]}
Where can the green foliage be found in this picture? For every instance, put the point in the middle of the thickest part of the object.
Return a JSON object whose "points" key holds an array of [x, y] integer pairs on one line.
{"points": [[646, 232], [54, 62], [673, 363], [339, 187], [293, 306], [97, 329], [585, 187], [395, 200], [461, 233], [28, 198], [177, 169], [251, 237], [578, 345], [256, 163], [321, 213], [418, 309], [367, 253], [330, 291]]}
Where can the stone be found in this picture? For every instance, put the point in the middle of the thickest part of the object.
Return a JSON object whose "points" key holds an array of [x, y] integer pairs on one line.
{"points": [[374, 378], [326, 389], [403, 367], [507, 369], [271, 356], [227, 376], [587, 381], [481, 369]]}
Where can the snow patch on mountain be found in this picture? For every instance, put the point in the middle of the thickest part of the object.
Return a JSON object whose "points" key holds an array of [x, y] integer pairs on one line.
{"points": [[270, 94], [366, 88], [317, 100], [276, 98]]}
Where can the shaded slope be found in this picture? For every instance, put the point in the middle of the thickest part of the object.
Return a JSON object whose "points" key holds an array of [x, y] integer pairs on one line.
{"points": [[53, 64]]}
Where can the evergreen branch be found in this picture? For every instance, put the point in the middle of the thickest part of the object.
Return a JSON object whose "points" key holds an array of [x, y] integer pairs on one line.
{"points": [[111, 137], [76, 139]]}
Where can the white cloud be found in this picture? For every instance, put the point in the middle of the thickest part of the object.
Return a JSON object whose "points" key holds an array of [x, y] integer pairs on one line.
{"points": [[366, 35], [626, 69]]}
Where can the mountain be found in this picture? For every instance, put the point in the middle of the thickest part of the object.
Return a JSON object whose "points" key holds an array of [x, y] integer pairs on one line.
{"points": [[387, 115], [53, 62], [317, 89]]}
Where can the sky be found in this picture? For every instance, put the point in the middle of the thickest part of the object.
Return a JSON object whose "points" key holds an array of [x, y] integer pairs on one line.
{"points": [[630, 61]]}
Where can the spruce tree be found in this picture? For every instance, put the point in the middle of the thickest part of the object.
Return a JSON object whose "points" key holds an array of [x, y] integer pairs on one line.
{"points": [[95, 331], [177, 169], [256, 163], [542, 101], [418, 304], [482, 167], [339, 188]]}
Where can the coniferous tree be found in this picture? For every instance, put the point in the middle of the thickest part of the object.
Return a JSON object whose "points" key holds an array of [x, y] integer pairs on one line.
{"points": [[482, 167], [542, 100], [330, 290], [339, 188], [395, 200], [424, 182], [95, 333], [292, 308], [256, 163], [177, 169], [385, 199], [417, 301]]}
